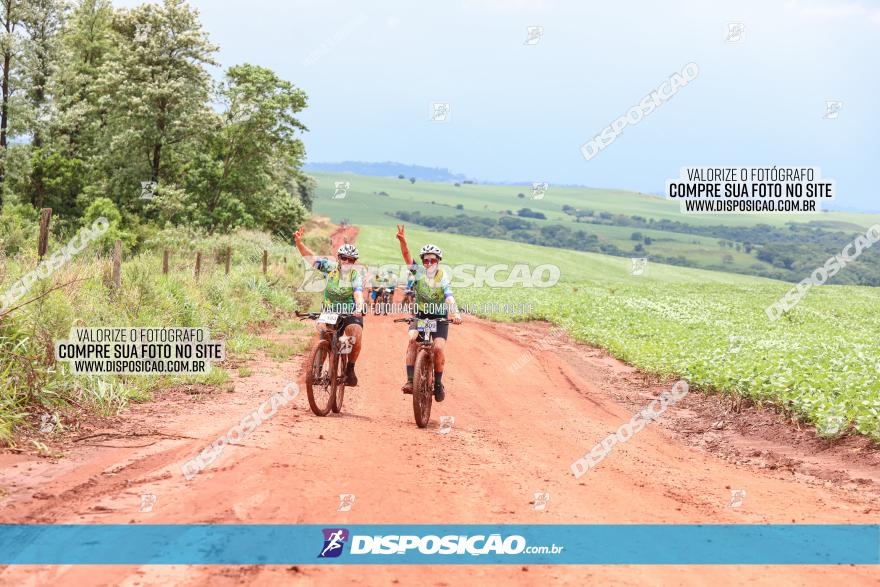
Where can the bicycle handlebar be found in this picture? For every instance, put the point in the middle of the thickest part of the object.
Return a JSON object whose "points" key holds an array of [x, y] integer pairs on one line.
{"points": [[412, 319], [315, 315]]}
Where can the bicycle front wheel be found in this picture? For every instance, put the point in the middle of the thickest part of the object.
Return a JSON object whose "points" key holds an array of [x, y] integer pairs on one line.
{"points": [[423, 387], [319, 378]]}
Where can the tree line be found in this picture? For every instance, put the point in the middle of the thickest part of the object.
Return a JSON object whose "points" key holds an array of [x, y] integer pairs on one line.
{"points": [[793, 252], [114, 112]]}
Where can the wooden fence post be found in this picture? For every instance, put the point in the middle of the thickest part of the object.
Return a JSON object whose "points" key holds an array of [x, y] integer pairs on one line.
{"points": [[165, 255], [228, 258], [265, 260], [45, 216], [198, 263], [117, 264]]}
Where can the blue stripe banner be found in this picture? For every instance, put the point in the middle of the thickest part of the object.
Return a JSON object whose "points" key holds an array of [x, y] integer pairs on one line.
{"points": [[640, 544]]}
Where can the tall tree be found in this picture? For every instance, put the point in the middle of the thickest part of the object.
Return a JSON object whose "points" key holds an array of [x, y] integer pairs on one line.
{"points": [[10, 19], [87, 43], [156, 95], [255, 156], [41, 23], [104, 99], [64, 169]]}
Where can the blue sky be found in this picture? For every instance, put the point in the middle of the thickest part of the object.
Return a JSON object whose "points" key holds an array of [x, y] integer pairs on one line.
{"points": [[521, 112]]}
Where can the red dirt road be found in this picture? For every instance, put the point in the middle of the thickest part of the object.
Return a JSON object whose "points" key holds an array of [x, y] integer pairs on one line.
{"points": [[342, 235], [515, 433]]}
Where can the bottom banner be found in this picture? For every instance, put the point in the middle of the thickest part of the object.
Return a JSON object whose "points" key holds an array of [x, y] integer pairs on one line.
{"points": [[233, 544]]}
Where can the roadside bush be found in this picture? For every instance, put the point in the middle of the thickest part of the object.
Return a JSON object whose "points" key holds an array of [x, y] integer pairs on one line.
{"points": [[229, 306]]}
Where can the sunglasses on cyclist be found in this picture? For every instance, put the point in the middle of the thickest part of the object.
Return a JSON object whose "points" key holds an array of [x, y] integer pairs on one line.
{"points": [[430, 260], [347, 259]]}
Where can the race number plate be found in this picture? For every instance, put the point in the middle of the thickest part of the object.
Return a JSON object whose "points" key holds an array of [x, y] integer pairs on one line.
{"points": [[427, 326], [328, 318]]}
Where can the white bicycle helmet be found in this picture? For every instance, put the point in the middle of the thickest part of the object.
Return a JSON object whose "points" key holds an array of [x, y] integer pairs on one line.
{"points": [[431, 249], [348, 250]]}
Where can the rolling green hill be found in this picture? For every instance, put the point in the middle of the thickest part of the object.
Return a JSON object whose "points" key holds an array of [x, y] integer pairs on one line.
{"points": [[621, 221], [492, 199], [378, 245]]}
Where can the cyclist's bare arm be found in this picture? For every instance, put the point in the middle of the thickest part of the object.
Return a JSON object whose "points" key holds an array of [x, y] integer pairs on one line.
{"points": [[453, 309], [404, 250], [359, 305], [301, 246]]}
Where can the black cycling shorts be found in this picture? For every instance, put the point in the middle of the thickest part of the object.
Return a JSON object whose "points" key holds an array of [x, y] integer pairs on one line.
{"points": [[359, 320], [442, 327]]}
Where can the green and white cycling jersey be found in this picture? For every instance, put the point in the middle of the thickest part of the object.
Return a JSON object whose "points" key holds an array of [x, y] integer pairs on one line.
{"points": [[431, 293], [340, 290]]}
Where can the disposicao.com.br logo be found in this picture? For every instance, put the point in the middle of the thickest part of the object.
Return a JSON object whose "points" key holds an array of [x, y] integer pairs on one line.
{"points": [[393, 544], [334, 541]]}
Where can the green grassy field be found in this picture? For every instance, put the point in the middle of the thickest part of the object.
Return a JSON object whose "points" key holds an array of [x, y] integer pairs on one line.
{"points": [[378, 244], [362, 205], [478, 198], [819, 363]]}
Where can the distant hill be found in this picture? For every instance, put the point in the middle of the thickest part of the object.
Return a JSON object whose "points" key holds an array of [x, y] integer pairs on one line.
{"points": [[613, 222], [387, 169]]}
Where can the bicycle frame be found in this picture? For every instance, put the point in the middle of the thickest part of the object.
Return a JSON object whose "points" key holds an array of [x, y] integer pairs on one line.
{"points": [[335, 332], [330, 336], [422, 393]]}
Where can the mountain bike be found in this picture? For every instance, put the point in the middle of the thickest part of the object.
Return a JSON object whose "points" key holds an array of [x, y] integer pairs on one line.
{"points": [[327, 363], [423, 377]]}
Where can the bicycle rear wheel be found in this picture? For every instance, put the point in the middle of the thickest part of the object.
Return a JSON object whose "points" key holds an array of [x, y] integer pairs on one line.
{"points": [[340, 362], [423, 387], [319, 378]]}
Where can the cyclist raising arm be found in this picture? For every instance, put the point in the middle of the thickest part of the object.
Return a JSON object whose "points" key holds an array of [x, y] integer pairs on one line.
{"points": [[433, 299], [341, 295]]}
